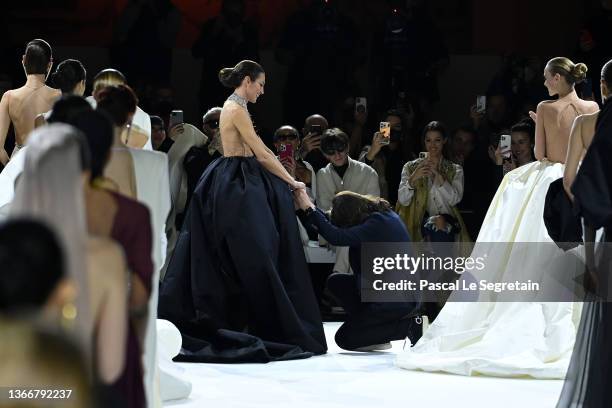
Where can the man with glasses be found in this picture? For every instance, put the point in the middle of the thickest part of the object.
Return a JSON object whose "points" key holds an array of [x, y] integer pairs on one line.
{"points": [[342, 174]]}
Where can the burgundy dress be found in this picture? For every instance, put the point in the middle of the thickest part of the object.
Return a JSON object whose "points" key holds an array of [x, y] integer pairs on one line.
{"points": [[132, 230]]}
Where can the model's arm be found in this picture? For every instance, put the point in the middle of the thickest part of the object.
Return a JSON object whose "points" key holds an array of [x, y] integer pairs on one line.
{"points": [[5, 122], [264, 155], [574, 153], [540, 133]]}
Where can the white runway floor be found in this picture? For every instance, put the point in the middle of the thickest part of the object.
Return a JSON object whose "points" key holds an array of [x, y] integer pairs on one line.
{"points": [[344, 379]]}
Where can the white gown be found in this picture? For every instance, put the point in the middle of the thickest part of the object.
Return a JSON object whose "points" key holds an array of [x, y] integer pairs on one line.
{"points": [[508, 339]]}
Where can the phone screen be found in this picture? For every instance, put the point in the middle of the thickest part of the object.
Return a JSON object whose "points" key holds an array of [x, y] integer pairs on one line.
{"points": [[505, 142], [176, 118], [385, 130], [285, 151]]}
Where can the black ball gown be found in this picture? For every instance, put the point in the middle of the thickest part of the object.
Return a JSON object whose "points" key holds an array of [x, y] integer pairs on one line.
{"points": [[238, 286]]}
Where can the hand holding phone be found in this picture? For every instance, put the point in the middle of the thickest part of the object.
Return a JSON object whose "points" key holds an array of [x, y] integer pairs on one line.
{"points": [[505, 143], [385, 131], [285, 151], [176, 118], [481, 104]]}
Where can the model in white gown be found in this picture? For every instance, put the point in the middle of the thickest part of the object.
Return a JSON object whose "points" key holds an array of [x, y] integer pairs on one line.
{"points": [[515, 338]]}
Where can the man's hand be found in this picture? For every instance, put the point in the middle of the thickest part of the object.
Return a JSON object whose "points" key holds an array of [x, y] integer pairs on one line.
{"points": [[311, 141], [176, 131]]}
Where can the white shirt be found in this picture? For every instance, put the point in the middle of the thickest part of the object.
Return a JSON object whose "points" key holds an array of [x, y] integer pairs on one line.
{"points": [[441, 198]]}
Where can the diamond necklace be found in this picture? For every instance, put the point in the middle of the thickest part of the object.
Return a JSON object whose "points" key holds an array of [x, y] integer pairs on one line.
{"points": [[238, 99]]}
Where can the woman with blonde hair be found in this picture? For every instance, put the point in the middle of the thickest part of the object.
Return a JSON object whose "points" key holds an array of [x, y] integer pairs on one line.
{"points": [[528, 337]]}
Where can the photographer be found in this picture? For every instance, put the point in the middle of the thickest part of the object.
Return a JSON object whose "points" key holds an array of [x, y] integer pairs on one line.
{"points": [[523, 139], [355, 220], [313, 129]]}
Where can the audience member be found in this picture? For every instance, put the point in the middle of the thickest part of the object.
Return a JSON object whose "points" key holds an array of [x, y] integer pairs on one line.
{"points": [[429, 191], [385, 155], [161, 142], [310, 148], [37, 61], [288, 138], [342, 174], [522, 146]]}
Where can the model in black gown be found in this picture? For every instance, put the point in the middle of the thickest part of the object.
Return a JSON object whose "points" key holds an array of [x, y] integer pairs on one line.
{"points": [[237, 286], [589, 379]]}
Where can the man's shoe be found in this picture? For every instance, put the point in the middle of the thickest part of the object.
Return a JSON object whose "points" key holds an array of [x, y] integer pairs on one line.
{"points": [[375, 347]]}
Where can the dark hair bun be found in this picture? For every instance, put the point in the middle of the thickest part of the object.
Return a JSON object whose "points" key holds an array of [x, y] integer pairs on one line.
{"points": [[232, 77]]}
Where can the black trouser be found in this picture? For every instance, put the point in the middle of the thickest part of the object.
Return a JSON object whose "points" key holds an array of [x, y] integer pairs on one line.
{"points": [[369, 323]]}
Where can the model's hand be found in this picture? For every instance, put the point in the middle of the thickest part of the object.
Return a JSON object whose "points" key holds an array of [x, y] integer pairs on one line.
{"points": [[298, 185], [302, 200]]}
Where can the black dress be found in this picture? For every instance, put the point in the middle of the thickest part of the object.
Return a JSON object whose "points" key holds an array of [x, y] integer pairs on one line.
{"points": [[237, 286], [589, 379]]}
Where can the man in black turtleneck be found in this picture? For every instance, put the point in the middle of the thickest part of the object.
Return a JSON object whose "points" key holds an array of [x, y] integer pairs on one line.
{"points": [[342, 174]]}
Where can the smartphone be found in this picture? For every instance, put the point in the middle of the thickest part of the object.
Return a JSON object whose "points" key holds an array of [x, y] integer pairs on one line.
{"points": [[481, 104], [385, 130], [176, 118], [316, 129], [423, 155], [505, 143], [361, 104], [285, 151]]}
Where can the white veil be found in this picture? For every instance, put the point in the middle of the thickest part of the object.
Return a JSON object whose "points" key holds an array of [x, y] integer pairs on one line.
{"points": [[50, 190]]}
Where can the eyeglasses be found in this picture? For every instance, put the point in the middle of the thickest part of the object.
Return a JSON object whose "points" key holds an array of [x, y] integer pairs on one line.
{"points": [[287, 137], [332, 151], [213, 124]]}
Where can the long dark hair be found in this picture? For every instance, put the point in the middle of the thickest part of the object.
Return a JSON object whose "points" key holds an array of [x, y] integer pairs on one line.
{"points": [[350, 209], [232, 77]]}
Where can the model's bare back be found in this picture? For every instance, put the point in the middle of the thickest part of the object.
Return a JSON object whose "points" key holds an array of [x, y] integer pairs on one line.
{"points": [[25, 103], [558, 117], [231, 140]]}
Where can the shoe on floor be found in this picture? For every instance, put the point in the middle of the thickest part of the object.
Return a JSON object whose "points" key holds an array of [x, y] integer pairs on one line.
{"points": [[375, 347]]}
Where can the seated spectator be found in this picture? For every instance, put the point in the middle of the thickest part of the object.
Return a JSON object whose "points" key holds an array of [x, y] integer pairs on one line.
{"points": [[430, 189], [386, 157], [310, 151], [522, 144], [342, 174], [50, 190], [497, 117], [300, 169], [138, 133], [355, 220], [199, 156], [161, 142], [480, 177]]}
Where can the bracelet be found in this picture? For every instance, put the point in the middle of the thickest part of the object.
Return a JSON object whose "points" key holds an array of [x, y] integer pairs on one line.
{"points": [[309, 211]]}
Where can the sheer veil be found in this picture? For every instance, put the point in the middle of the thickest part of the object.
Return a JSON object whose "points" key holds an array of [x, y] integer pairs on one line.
{"points": [[50, 190]]}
